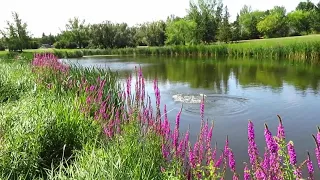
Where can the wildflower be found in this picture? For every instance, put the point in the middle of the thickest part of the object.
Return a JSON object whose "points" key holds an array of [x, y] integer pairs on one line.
{"points": [[246, 174], [271, 144], [281, 133], [310, 167], [232, 161], [252, 147], [292, 153]]}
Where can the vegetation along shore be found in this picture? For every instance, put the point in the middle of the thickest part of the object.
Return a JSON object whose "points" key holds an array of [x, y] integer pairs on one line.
{"points": [[60, 121]]}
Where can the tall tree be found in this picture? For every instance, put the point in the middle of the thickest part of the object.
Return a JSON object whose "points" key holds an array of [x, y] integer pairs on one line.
{"points": [[300, 21], [248, 21], [225, 29], [275, 24], [16, 35], [306, 6], [235, 29], [207, 15], [77, 32], [180, 32]]}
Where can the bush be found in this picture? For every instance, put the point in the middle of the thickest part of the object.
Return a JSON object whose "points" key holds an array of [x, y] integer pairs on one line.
{"points": [[34, 45], [71, 45], [60, 45], [2, 48]]}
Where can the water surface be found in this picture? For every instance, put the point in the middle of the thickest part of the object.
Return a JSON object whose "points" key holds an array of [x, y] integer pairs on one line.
{"points": [[235, 90]]}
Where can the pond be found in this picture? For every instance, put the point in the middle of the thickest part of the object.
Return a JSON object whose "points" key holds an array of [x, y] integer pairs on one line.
{"points": [[235, 90]]}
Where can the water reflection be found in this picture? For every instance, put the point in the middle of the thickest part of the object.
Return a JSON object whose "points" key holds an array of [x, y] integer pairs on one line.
{"points": [[215, 74]]}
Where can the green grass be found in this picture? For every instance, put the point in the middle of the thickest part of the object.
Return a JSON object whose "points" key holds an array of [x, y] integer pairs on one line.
{"points": [[44, 135]]}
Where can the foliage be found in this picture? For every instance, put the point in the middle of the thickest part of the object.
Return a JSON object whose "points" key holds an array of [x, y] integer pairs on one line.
{"points": [[274, 24], [2, 47], [180, 32], [207, 14], [50, 39], [16, 34], [248, 21], [236, 29], [225, 29]]}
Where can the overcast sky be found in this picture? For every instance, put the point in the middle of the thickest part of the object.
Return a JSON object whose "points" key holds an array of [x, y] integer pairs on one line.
{"points": [[50, 16]]}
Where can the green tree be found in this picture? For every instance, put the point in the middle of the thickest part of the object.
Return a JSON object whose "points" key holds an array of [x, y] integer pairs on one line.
{"points": [[225, 29], [152, 33], [248, 21], [77, 32], [306, 6], [235, 30], [16, 35], [50, 39], [300, 21], [207, 14], [274, 24], [180, 32]]}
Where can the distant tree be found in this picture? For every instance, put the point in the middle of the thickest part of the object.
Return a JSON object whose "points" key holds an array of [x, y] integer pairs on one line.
{"points": [[16, 35], [235, 30], [180, 32], [207, 14], [151, 33], [225, 29], [275, 24], [306, 6], [50, 39], [77, 32], [248, 21], [300, 21]]}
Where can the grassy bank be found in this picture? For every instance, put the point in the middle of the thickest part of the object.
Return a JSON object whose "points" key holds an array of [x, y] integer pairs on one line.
{"points": [[50, 130], [303, 48], [61, 122]]}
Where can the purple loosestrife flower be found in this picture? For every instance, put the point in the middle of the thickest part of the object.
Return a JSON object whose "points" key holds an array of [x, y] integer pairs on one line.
{"points": [[252, 147], [209, 136], [292, 153], [266, 161], [232, 161], [318, 135], [92, 88], [235, 177], [180, 148], [317, 152], [165, 152], [202, 108], [310, 167], [293, 159], [246, 175], [226, 147], [191, 158], [281, 133], [271, 144], [214, 153], [219, 161]]}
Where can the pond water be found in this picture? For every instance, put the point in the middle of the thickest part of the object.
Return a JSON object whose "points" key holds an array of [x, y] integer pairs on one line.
{"points": [[235, 90]]}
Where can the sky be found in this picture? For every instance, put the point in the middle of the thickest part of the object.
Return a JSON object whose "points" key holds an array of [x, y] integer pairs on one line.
{"points": [[51, 16]]}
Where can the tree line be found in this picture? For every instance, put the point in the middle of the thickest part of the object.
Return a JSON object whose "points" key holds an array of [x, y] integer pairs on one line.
{"points": [[206, 22]]}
